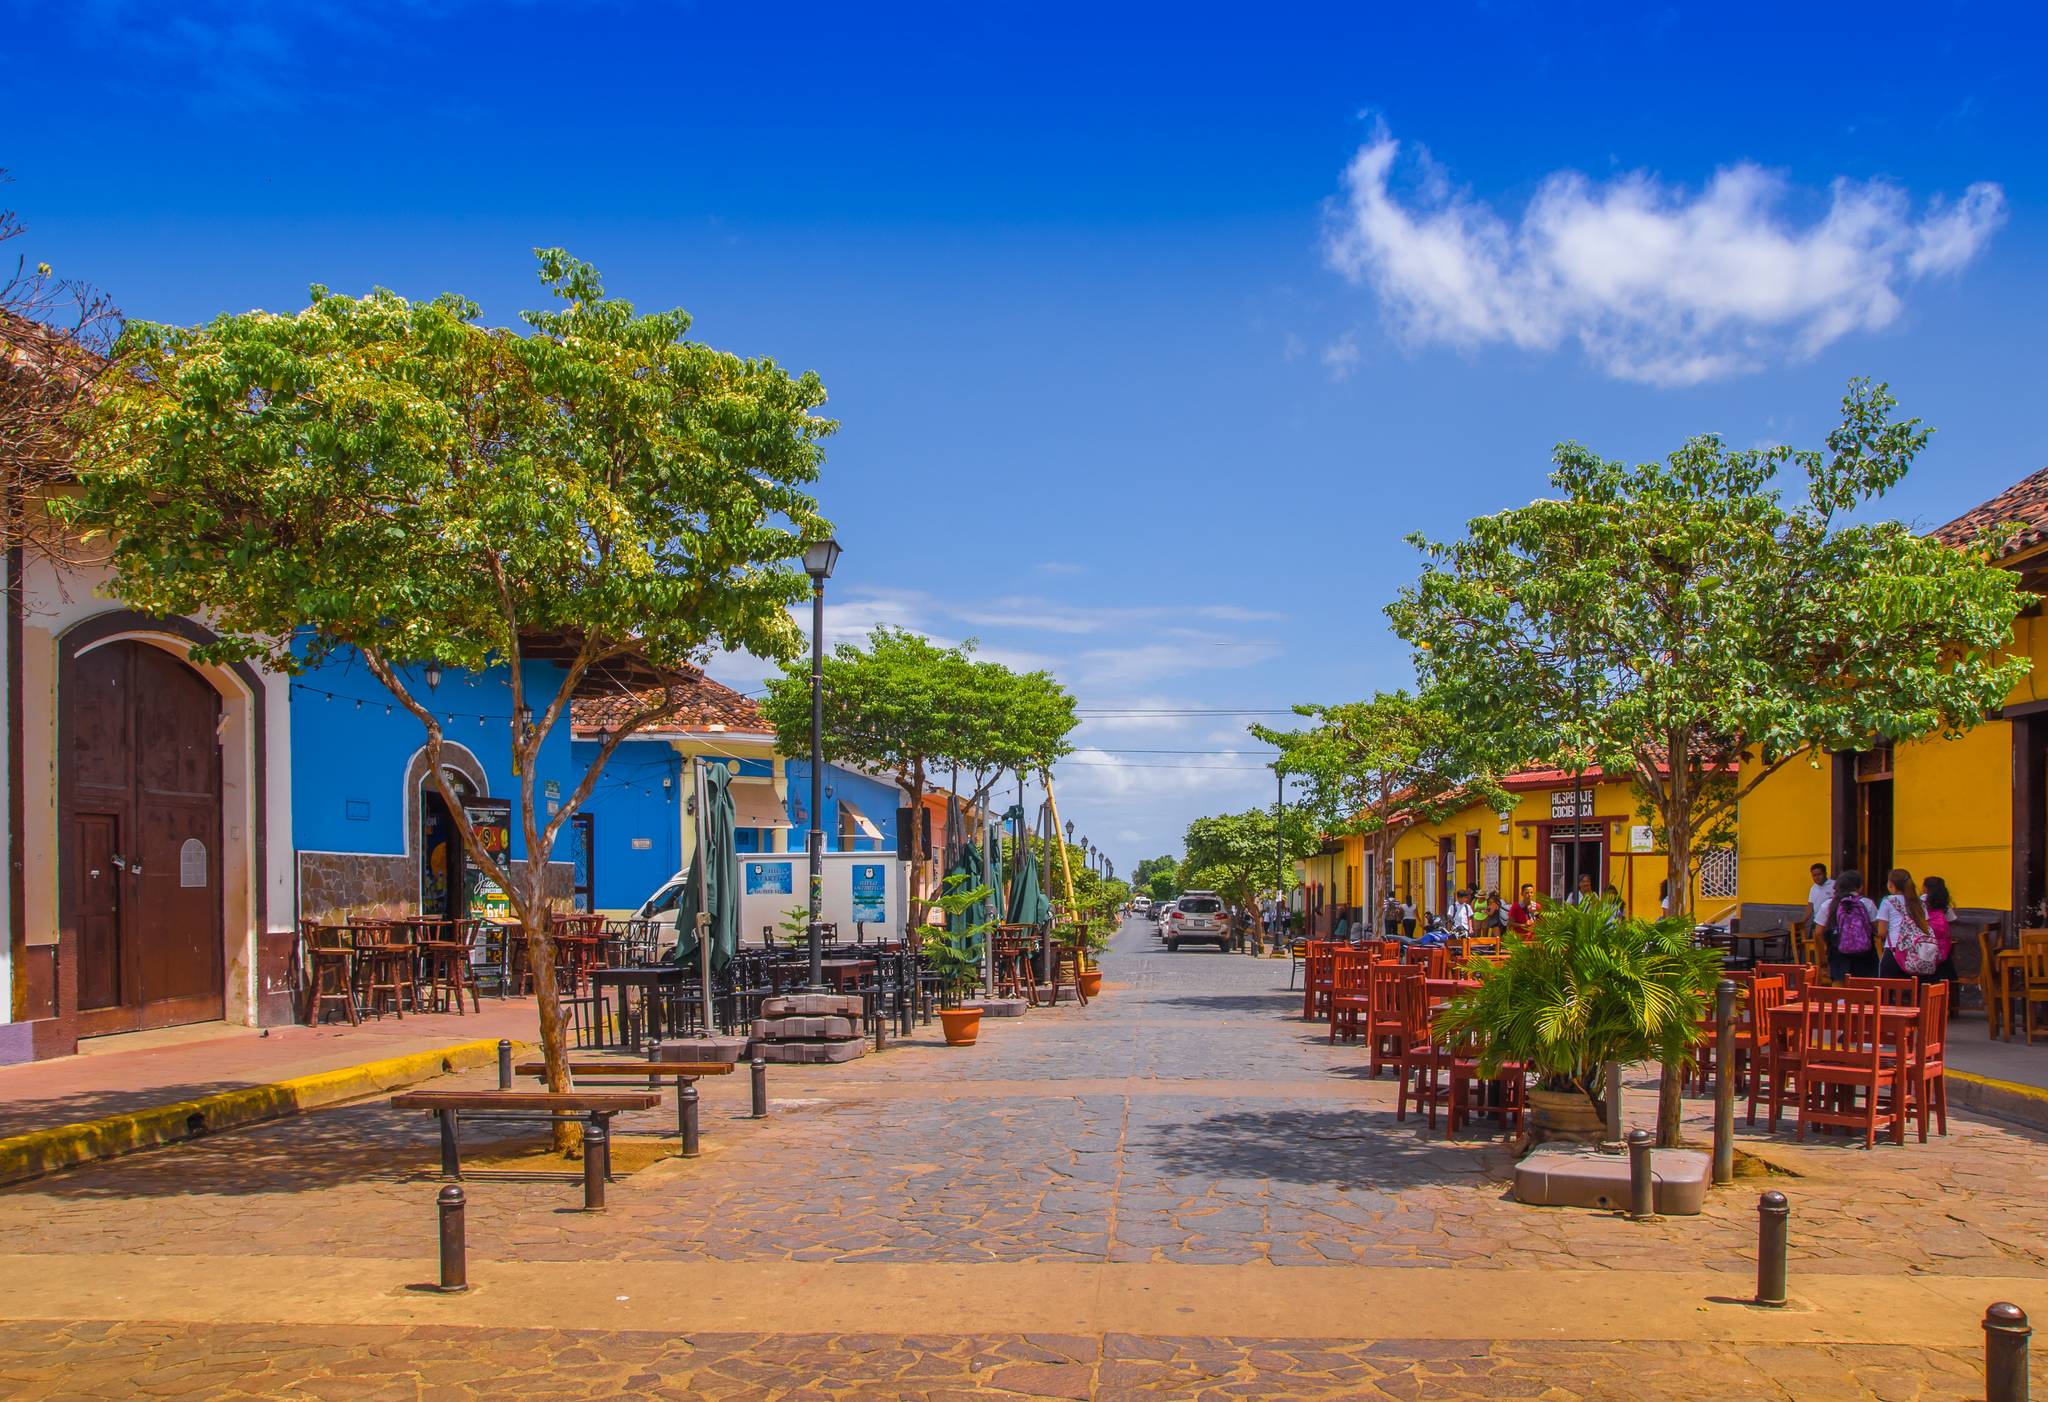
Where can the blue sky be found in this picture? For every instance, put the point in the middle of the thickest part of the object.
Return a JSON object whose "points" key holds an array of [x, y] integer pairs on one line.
{"points": [[1145, 367]]}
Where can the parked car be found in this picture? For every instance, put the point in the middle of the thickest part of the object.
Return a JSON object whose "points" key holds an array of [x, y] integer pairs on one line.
{"points": [[1199, 918], [1161, 912], [1141, 905]]}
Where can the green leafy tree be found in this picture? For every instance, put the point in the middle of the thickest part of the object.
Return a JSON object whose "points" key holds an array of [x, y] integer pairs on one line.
{"points": [[1680, 623], [395, 480], [908, 707], [1374, 767], [1233, 854], [1158, 877]]}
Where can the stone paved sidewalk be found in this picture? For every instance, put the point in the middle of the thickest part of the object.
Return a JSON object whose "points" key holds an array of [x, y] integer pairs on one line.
{"points": [[1185, 1123]]}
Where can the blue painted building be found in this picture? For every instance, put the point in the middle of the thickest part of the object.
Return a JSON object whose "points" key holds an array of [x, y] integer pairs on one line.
{"points": [[642, 830], [370, 829]]}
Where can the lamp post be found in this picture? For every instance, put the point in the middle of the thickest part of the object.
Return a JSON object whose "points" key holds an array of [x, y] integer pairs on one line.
{"points": [[819, 558]]}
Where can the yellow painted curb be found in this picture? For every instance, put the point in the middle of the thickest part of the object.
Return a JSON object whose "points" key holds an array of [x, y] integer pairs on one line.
{"points": [[2033, 1093], [45, 1150]]}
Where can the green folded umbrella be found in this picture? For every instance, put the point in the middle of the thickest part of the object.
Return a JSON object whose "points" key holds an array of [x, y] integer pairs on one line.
{"points": [[1028, 905], [713, 882]]}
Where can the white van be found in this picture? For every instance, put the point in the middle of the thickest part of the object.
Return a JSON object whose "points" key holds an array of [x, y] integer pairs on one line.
{"points": [[662, 908]]}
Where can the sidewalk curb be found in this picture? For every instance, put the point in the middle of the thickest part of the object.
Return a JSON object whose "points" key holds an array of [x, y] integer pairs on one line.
{"points": [[31, 1155], [2008, 1100]]}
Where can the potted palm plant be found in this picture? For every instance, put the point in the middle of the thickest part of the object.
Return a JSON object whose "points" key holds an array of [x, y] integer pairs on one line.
{"points": [[1588, 985], [955, 956]]}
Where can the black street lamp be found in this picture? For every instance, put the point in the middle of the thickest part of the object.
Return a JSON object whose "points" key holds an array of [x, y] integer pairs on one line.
{"points": [[819, 558]]}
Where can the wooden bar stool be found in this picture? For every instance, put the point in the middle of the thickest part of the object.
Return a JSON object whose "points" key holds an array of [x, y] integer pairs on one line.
{"points": [[333, 971], [384, 957]]}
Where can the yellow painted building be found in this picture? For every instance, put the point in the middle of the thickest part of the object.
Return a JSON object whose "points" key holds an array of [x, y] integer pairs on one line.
{"points": [[1332, 884], [1973, 811], [1557, 829]]}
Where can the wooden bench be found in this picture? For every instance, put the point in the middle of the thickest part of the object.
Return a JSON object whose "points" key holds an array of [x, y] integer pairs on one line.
{"points": [[683, 1073], [597, 1107]]}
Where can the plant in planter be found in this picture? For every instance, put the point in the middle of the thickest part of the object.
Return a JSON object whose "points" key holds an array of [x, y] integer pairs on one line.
{"points": [[954, 953], [1588, 985], [1087, 938]]}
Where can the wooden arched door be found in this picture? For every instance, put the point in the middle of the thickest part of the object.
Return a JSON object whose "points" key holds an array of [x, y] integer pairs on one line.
{"points": [[139, 803]]}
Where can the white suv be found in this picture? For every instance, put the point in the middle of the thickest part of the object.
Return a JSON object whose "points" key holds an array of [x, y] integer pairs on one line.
{"points": [[1198, 918]]}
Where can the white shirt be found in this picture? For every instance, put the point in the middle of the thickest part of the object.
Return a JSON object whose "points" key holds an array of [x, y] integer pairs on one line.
{"points": [[1461, 918], [1818, 898]]}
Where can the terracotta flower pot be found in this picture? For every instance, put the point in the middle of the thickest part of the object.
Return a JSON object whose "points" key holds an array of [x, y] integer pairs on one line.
{"points": [[1564, 1116], [1091, 983], [962, 1025]]}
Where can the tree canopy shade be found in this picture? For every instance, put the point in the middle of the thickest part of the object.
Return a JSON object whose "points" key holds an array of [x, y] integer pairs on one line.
{"points": [[908, 707], [395, 478], [1157, 877], [1679, 622], [1373, 766]]}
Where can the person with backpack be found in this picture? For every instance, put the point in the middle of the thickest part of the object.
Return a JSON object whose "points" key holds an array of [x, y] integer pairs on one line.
{"points": [[1903, 932], [1940, 911], [1851, 931]]}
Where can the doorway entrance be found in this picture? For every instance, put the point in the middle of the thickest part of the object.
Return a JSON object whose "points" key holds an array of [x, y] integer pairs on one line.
{"points": [[444, 866], [1575, 852], [1863, 814], [139, 815]]}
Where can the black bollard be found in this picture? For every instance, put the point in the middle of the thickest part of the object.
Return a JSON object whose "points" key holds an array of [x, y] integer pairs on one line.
{"points": [[504, 1064], [454, 1254], [1773, 1224], [597, 1154], [1724, 1083], [686, 1108], [1611, 1076], [760, 1075], [1642, 1186], [2006, 1333]]}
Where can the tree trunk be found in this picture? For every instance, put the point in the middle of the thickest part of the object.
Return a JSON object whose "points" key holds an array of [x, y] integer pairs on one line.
{"points": [[538, 922]]}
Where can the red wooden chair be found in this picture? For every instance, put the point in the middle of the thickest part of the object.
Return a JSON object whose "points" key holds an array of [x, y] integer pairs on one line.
{"points": [[1926, 1081], [1419, 1061], [1752, 1026], [1315, 983], [1794, 976], [1843, 1044], [1706, 1042], [1467, 1098], [1385, 1026], [1777, 1065], [1891, 992], [1350, 1002]]}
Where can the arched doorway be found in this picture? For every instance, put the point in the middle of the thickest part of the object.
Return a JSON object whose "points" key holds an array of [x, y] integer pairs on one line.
{"points": [[139, 813], [444, 866]]}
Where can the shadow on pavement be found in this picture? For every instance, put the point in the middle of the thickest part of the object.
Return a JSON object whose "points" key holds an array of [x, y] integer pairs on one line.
{"points": [[1342, 1147]]}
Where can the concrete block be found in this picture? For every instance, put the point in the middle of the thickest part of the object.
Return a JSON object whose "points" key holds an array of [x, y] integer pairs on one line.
{"points": [[805, 1029], [1003, 1007], [812, 1005], [808, 1053], [726, 1049], [1581, 1178]]}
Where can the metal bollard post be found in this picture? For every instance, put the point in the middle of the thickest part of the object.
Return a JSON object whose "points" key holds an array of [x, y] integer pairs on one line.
{"points": [[1610, 1074], [1773, 1223], [1642, 1187], [504, 1064], [2006, 1333], [1724, 1083], [760, 1075], [454, 1254], [881, 1025], [686, 1107], [596, 1160]]}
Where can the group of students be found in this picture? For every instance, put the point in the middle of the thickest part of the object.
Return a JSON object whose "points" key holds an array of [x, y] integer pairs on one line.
{"points": [[1906, 935]]}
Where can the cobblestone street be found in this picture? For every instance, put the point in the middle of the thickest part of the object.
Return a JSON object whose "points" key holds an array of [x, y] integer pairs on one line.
{"points": [[1180, 1191]]}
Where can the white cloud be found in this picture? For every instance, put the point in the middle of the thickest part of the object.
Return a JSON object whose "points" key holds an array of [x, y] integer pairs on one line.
{"points": [[1340, 357], [1061, 567], [1657, 284]]}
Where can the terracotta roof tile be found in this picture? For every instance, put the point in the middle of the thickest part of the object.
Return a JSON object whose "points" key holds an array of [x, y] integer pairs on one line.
{"points": [[707, 705], [2024, 504]]}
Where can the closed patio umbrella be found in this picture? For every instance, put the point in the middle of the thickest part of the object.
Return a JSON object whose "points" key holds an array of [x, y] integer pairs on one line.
{"points": [[713, 883]]}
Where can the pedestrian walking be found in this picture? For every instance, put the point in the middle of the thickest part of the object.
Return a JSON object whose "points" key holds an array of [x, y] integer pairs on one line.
{"points": [[1850, 930], [1903, 932]]}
